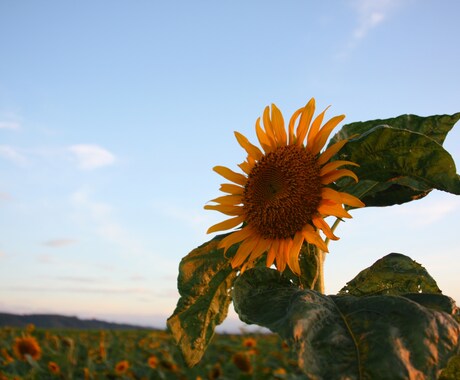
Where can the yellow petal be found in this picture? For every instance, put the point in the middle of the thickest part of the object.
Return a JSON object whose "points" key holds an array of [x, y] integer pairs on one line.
{"points": [[263, 138], [305, 120], [243, 252], [331, 151], [261, 247], [293, 262], [246, 167], [323, 134], [313, 237], [225, 209], [238, 178], [281, 256], [248, 147], [323, 226], [329, 167], [315, 126], [235, 237], [327, 208], [292, 138], [278, 126], [226, 224], [231, 189], [231, 200], [335, 175], [339, 197], [272, 253], [268, 127]]}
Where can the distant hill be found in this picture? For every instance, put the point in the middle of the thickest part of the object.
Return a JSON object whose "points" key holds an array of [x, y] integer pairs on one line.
{"points": [[61, 321]]}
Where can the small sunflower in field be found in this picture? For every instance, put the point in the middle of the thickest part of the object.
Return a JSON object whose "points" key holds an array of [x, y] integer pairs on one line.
{"points": [[121, 367], [153, 361], [54, 368], [282, 198], [249, 342], [27, 345], [7, 358], [242, 361]]}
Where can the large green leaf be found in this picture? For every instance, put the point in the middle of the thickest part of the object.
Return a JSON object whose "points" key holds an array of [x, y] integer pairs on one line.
{"points": [[436, 127], [397, 166], [394, 274], [396, 163], [204, 283], [347, 337]]}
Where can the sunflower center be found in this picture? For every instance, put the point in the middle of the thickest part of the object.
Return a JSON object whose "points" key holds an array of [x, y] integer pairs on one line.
{"points": [[283, 192]]}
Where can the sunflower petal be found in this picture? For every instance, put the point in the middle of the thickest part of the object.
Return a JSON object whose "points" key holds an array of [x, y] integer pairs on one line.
{"points": [[230, 200], [320, 223], [281, 256], [295, 115], [229, 174], [272, 253], [235, 237], [305, 120], [313, 237], [231, 189], [335, 175], [243, 252], [269, 127], [252, 150], [328, 208], [263, 138], [339, 197], [293, 261], [324, 133], [261, 247], [331, 151], [226, 209], [314, 129], [278, 126], [226, 224], [329, 167]]}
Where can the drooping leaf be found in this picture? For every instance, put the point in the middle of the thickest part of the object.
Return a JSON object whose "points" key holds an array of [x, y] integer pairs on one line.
{"points": [[399, 186], [348, 337], [435, 127], [394, 274], [397, 166], [204, 283]]}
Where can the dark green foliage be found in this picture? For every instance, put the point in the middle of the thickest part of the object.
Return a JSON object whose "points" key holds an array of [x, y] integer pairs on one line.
{"points": [[349, 337]]}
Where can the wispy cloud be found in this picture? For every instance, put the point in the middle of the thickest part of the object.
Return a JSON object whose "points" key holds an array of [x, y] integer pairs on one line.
{"points": [[12, 154], [12, 125], [369, 15], [58, 243], [91, 156], [5, 196]]}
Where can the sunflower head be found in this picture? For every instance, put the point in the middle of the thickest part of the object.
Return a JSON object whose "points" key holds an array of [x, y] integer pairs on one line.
{"points": [[27, 345], [121, 367], [282, 197]]}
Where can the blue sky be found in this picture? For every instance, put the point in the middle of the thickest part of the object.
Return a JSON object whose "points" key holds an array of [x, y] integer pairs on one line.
{"points": [[113, 113]]}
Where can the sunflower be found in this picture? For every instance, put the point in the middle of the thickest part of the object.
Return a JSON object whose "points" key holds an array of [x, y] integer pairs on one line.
{"points": [[121, 367], [54, 368], [27, 345], [283, 197]]}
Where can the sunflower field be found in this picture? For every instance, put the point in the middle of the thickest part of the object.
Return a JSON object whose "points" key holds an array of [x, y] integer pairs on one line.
{"points": [[33, 353]]}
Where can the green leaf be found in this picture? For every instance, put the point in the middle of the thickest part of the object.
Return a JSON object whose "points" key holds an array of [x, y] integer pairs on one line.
{"points": [[397, 166], [394, 274], [435, 127], [204, 283], [348, 337]]}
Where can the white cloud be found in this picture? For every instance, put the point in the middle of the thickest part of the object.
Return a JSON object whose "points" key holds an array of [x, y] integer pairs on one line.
{"points": [[12, 154], [13, 125], [370, 14], [91, 157], [57, 243]]}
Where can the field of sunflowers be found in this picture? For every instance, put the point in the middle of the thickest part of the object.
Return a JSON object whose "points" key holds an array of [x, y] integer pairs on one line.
{"points": [[32, 353]]}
